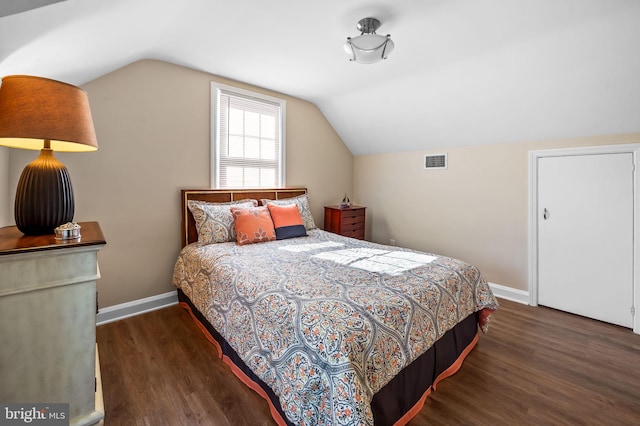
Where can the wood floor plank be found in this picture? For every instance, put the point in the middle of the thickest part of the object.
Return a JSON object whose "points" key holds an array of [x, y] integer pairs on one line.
{"points": [[534, 366]]}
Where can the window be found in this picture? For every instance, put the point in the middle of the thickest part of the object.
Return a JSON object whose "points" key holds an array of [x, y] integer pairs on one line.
{"points": [[248, 139]]}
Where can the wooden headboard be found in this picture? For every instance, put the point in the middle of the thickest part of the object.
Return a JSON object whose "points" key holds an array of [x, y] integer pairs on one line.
{"points": [[188, 232]]}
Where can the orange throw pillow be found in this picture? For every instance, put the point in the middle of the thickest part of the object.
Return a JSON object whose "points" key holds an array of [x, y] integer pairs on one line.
{"points": [[253, 225], [287, 221]]}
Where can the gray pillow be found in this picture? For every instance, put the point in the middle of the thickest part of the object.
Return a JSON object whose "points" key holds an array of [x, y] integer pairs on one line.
{"points": [[214, 221]]}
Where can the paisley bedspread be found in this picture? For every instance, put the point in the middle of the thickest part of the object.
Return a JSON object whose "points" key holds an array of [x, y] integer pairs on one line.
{"points": [[326, 321]]}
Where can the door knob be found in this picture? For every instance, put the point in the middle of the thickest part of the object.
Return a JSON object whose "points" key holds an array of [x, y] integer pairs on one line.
{"points": [[545, 214]]}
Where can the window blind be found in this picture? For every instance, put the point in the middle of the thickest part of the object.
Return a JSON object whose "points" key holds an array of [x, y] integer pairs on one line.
{"points": [[249, 141]]}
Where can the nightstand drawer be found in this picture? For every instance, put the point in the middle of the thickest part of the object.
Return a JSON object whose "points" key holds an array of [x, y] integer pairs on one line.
{"points": [[356, 233], [352, 220]]}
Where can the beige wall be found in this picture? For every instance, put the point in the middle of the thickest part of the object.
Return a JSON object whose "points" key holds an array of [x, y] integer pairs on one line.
{"points": [[476, 210], [152, 120]]}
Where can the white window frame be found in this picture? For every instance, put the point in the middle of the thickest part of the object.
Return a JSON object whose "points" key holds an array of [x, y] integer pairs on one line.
{"points": [[216, 91]]}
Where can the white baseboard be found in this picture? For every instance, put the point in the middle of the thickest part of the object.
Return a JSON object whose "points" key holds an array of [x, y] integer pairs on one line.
{"points": [[510, 293], [136, 307]]}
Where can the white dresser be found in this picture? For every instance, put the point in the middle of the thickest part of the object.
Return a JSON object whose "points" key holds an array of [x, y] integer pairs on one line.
{"points": [[48, 348]]}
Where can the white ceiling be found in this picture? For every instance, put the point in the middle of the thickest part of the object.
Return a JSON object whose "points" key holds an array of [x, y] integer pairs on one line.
{"points": [[463, 72]]}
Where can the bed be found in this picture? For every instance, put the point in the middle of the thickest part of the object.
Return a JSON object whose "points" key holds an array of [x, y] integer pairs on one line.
{"points": [[328, 329]]}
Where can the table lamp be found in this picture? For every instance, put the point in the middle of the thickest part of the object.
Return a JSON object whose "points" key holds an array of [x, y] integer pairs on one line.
{"points": [[47, 115]]}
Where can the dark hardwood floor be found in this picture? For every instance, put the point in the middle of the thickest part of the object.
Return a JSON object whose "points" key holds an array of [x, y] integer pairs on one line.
{"points": [[535, 366]]}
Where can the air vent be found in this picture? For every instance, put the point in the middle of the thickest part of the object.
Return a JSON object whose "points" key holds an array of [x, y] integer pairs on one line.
{"points": [[435, 162]]}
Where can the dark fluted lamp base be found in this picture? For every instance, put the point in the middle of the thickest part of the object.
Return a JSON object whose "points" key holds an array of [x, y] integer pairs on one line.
{"points": [[44, 197]]}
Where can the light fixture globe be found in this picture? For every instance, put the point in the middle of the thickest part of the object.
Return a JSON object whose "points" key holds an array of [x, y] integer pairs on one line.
{"points": [[368, 47]]}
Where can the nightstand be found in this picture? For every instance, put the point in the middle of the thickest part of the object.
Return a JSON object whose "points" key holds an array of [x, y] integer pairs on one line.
{"points": [[48, 321], [347, 221]]}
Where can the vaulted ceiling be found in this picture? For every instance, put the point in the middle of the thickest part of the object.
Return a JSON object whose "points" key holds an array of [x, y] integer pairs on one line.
{"points": [[463, 72]]}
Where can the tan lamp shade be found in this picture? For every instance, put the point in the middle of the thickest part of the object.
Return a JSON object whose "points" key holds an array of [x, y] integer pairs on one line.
{"points": [[47, 115], [35, 109]]}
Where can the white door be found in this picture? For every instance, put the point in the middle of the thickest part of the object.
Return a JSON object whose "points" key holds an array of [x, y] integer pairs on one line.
{"points": [[585, 235]]}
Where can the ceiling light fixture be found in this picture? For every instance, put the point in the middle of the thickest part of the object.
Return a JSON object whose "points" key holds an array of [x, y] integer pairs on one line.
{"points": [[368, 47]]}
